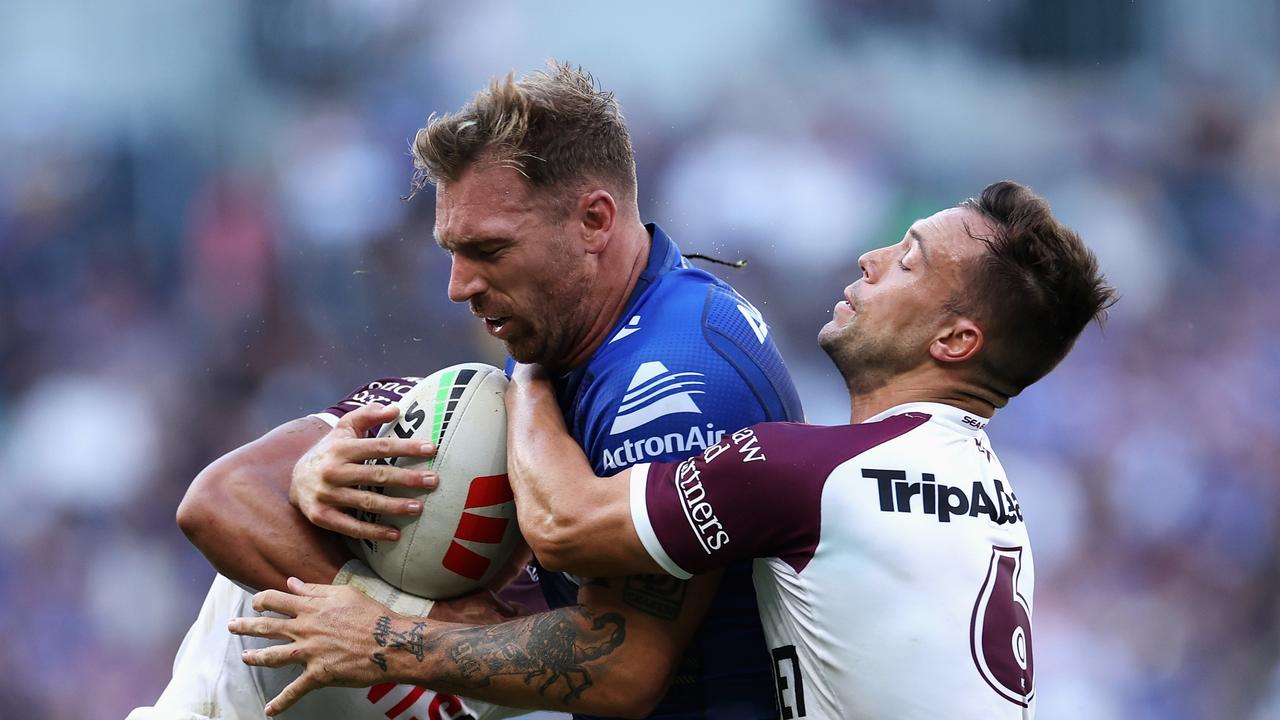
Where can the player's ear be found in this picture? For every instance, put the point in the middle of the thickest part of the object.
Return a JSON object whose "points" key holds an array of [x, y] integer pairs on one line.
{"points": [[597, 211], [959, 339]]}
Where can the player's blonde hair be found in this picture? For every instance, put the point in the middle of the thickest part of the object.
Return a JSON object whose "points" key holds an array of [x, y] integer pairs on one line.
{"points": [[555, 126]]}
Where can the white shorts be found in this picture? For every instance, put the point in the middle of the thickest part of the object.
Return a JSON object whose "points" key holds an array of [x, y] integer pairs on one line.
{"points": [[210, 682]]}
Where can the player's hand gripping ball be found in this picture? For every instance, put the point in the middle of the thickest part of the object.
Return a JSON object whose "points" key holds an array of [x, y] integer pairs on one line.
{"points": [[467, 530]]}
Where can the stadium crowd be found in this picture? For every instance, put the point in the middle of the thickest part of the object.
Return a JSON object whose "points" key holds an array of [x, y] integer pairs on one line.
{"points": [[200, 240]]}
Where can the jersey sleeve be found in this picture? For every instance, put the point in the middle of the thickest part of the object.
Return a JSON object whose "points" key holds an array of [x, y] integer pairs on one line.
{"points": [[756, 494], [732, 502], [384, 391]]}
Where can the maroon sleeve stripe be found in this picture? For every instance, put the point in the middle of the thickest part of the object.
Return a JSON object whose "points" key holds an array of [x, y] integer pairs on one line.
{"points": [[756, 494]]}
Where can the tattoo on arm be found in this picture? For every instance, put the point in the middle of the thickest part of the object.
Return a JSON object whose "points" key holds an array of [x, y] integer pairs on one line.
{"points": [[410, 641], [661, 596], [545, 649]]}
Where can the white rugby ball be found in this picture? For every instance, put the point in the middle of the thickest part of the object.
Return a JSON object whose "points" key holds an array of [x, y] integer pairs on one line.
{"points": [[467, 530]]}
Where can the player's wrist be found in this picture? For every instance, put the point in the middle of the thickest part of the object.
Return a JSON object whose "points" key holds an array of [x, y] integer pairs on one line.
{"points": [[400, 648], [361, 577]]}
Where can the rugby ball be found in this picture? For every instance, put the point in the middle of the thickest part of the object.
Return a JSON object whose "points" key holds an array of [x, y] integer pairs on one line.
{"points": [[467, 530]]}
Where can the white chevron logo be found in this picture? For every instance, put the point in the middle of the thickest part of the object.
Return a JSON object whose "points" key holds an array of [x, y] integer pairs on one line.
{"points": [[655, 392], [632, 326]]}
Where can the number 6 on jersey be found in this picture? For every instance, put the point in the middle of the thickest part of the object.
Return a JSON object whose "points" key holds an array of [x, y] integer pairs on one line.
{"points": [[1000, 632]]}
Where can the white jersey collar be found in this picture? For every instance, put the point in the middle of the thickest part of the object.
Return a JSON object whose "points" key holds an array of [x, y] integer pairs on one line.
{"points": [[953, 417]]}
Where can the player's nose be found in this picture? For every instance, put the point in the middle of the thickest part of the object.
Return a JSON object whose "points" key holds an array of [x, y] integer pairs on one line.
{"points": [[465, 282], [866, 263]]}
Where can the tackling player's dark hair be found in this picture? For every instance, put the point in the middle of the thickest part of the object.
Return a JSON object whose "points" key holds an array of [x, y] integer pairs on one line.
{"points": [[556, 127], [1034, 291]]}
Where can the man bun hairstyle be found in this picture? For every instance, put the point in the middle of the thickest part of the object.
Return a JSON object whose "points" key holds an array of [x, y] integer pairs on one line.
{"points": [[556, 127], [1034, 291]]}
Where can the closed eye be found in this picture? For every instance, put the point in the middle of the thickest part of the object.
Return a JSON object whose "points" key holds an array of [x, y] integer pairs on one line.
{"points": [[487, 251]]}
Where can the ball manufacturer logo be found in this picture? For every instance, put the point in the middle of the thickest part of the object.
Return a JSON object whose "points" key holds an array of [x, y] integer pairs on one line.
{"points": [[441, 706], [485, 491]]}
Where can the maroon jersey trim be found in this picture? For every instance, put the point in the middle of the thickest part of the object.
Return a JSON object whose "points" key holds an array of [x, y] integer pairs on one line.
{"points": [[756, 494]]}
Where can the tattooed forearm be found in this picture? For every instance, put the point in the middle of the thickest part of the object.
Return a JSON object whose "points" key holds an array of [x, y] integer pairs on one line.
{"points": [[544, 649], [551, 651]]}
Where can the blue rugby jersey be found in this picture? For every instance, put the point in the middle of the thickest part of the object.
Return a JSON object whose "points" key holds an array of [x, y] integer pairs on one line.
{"points": [[688, 361]]}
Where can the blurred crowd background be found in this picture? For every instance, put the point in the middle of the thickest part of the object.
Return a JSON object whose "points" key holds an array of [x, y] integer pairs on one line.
{"points": [[202, 234]]}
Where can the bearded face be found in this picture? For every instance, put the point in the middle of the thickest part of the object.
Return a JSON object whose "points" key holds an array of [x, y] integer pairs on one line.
{"points": [[514, 263]]}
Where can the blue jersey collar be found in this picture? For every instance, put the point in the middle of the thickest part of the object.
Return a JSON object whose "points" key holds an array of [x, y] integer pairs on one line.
{"points": [[664, 257]]}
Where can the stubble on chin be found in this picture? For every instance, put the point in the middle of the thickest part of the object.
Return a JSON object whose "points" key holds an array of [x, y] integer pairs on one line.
{"points": [[541, 345], [862, 365], [837, 343], [526, 350]]}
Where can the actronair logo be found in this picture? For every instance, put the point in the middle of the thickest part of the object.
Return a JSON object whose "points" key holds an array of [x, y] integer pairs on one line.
{"points": [[693, 440], [655, 392]]}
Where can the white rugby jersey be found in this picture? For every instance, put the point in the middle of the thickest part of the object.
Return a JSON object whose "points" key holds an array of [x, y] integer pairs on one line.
{"points": [[210, 682], [892, 566]]}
